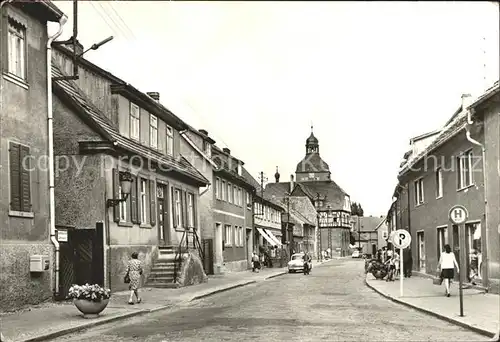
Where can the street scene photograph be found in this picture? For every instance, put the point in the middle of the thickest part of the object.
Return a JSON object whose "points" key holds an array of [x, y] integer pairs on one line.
{"points": [[249, 171]]}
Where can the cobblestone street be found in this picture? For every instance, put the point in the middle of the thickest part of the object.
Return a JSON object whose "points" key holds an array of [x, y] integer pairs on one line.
{"points": [[331, 304]]}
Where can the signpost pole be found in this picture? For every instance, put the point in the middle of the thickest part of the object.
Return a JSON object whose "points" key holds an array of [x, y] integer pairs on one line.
{"points": [[458, 215], [461, 274], [400, 274]]}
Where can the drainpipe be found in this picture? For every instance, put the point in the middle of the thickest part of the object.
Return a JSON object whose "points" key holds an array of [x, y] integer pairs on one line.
{"points": [[52, 204], [485, 187]]}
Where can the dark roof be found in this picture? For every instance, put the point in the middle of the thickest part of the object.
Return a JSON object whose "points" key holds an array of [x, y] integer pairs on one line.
{"points": [[228, 166], [495, 89], [334, 193], [68, 90], [312, 140], [278, 190], [312, 162], [367, 223]]}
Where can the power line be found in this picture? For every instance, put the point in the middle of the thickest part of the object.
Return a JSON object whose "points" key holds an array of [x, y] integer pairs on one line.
{"points": [[123, 23], [124, 34]]}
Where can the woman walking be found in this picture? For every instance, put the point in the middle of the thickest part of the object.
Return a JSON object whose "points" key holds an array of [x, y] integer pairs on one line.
{"points": [[134, 272], [447, 264]]}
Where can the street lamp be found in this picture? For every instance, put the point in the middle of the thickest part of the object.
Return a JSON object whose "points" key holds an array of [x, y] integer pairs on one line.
{"points": [[126, 185], [317, 204]]}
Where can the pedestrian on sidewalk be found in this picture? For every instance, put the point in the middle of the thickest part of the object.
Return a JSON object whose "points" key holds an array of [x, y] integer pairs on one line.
{"points": [[447, 264], [407, 262], [255, 262], [134, 271]]}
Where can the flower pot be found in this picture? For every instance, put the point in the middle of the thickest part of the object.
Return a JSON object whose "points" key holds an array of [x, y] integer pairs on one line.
{"points": [[89, 308]]}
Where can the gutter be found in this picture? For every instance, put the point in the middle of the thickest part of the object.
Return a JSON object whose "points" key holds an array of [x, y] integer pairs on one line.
{"points": [[485, 187], [50, 116]]}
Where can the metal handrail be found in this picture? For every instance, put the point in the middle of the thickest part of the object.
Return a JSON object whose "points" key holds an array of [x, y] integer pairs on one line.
{"points": [[178, 257]]}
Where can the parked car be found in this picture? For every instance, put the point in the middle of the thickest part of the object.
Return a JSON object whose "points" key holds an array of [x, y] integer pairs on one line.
{"points": [[356, 254], [296, 263]]}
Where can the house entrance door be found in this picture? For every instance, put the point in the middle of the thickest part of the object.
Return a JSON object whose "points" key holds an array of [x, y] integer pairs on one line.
{"points": [[421, 251], [163, 219]]}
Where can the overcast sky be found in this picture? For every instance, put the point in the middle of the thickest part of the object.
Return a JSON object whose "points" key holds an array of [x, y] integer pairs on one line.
{"points": [[369, 76]]}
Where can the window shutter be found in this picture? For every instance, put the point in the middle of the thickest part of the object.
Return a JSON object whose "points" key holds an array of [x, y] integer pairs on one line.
{"points": [[195, 223], [116, 194], [174, 212], [15, 181], [183, 208], [166, 216], [25, 179], [133, 200], [152, 201]]}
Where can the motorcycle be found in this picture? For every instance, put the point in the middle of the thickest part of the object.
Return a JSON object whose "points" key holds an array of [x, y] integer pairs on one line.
{"points": [[307, 267], [378, 269]]}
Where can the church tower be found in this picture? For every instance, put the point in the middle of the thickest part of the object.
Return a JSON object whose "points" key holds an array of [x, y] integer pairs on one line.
{"points": [[312, 167]]}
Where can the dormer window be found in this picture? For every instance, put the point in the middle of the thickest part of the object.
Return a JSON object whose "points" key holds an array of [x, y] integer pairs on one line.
{"points": [[153, 131], [207, 148], [170, 141], [134, 121]]}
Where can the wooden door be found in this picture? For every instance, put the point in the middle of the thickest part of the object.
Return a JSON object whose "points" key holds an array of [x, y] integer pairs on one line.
{"points": [[163, 219]]}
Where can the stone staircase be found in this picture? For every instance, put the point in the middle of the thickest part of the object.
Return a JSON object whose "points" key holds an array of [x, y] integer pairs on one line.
{"points": [[162, 272]]}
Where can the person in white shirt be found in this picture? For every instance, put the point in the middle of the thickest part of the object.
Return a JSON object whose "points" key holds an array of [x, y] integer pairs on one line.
{"points": [[447, 264]]}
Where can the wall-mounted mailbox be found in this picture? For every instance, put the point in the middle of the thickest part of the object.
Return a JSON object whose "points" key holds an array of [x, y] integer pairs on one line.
{"points": [[39, 263]]}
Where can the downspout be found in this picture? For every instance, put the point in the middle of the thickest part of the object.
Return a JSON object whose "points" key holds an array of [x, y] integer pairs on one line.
{"points": [[485, 187], [52, 204]]}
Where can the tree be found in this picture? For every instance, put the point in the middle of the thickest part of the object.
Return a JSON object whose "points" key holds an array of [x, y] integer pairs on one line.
{"points": [[360, 210]]}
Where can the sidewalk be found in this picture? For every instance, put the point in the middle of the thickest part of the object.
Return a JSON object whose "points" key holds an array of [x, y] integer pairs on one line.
{"points": [[51, 320], [481, 310]]}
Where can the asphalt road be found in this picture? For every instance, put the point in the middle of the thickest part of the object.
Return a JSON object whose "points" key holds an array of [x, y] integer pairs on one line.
{"points": [[331, 304]]}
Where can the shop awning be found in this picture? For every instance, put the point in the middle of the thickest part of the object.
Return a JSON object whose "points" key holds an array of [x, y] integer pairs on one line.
{"points": [[265, 236], [271, 235]]}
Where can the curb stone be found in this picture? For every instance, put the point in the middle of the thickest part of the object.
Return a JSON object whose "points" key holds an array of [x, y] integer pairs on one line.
{"points": [[432, 313], [276, 275], [208, 294], [71, 330]]}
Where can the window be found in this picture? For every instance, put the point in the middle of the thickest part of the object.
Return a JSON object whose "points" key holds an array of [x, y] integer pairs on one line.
{"points": [[441, 240], [242, 237], [143, 200], [190, 210], [153, 131], [465, 170], [236, 236], [170, 141], [207, 148], [229, 193], [228, 234], [235, 195], [223, 190], [439, 183], [248, 197], [178, 207], [240, 200], [384, 235], [134, 121], [123, 206], [419, 191], [20, 183], [217, 188], [17, 49]]}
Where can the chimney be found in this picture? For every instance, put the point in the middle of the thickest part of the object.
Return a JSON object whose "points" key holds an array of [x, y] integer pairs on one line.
{"points": [[78, 47], [154, 95], [291, 183], [226, 150], [466, 101], [202, 131], [277, 175]]}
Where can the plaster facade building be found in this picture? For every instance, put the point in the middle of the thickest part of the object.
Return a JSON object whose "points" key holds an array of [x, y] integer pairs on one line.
{"points": [[24, 178]]}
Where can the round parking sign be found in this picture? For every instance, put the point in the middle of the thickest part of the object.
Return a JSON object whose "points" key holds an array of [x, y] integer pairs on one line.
{"points": [[401, 239], [458, 214]]}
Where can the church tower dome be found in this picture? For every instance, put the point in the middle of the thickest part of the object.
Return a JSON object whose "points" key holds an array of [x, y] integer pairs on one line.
{"points": [[312, 167]]}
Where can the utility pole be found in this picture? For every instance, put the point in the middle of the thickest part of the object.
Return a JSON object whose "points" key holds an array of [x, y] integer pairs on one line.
{"points": [[359, 235]]}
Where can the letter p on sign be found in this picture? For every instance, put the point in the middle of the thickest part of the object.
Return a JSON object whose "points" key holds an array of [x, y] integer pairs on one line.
{"points": [[402, 239]]}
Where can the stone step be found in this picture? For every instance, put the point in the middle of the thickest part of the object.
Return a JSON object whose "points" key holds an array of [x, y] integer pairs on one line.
{"points": [[162, 279], [163, 267], [163, 285], [160, 276], [170, 256]]}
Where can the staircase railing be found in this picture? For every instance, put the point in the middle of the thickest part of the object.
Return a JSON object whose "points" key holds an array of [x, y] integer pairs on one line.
{"points": [[178, 256], [197, 245]]}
